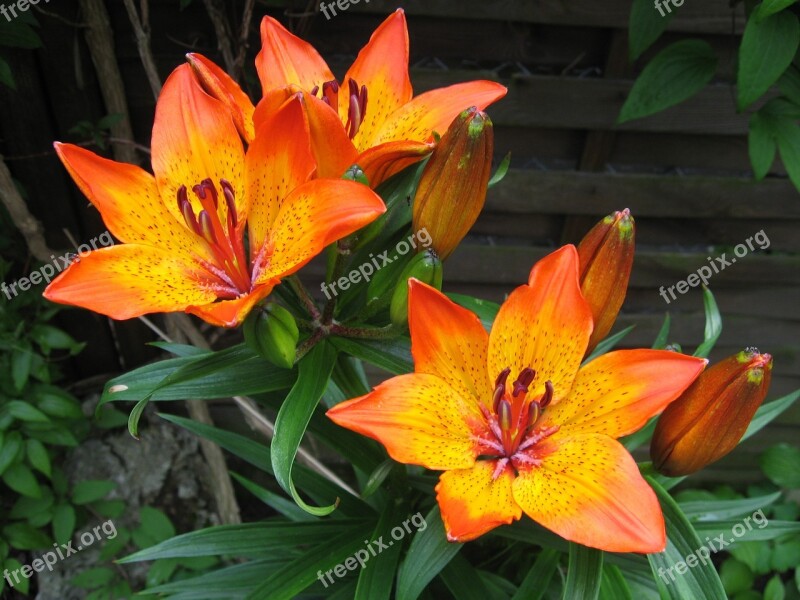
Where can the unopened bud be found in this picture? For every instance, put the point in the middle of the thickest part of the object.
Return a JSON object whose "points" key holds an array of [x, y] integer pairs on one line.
{"points": [[272, 332], [425, 267], [712, 415]]}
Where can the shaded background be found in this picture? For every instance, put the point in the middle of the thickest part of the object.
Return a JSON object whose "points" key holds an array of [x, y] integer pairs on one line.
{"points": [[684, 173]]}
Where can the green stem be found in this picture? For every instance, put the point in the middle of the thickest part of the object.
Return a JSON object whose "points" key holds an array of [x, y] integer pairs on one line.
{"points": [[373, 333], [299, 289], [342, 251]]}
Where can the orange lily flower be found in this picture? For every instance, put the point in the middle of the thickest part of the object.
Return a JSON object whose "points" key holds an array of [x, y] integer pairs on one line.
{"points": [[380, 125], [183, 229], [543, 443]]}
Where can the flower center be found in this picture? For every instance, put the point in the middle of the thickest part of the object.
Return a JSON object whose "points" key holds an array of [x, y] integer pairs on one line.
{"points": [[231, 271], [512, 420], [357, 108]]}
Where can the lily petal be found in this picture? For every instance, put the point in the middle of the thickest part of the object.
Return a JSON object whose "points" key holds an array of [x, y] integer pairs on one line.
{"points": [[545, 325], [618, 392], [381, 162], [221, 86], [448, 341], [285, 58], [230, 313], [314, 215], [381, 66], [278, 161], [129, 203], [128, 281], [588, 490], [194, 138], [473, 501], [435, 110], [419, 419]]}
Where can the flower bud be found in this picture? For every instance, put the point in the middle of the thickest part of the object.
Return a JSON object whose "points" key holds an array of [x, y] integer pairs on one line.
{"points": [[453, 185], [712, 415], [427, 268], [606, 258], [272, 332], [218, 84]]}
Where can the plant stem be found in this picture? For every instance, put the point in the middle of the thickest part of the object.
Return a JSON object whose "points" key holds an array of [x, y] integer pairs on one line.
{"points": [[299, 289], [374, 333]]}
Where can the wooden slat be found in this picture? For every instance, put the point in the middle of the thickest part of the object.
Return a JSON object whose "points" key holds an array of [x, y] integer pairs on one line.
{"points": [[584, 103], [574, 193], [701, 16]]}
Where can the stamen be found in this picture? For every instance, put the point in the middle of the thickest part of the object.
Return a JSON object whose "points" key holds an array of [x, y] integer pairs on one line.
{"points": [[548, 394], [330, 94], [504, 415], [503, 376], [537, 437], [498, 470], [523, 381], [227, 191], [534, 410], [207, 227], [499, 392], [314, 90]]}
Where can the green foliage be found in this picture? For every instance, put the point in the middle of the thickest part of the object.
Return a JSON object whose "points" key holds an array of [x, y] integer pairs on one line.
{"points": [[766, 55]]}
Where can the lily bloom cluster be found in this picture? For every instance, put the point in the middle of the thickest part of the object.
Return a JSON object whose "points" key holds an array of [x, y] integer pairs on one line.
{"points": [[242, 196]]}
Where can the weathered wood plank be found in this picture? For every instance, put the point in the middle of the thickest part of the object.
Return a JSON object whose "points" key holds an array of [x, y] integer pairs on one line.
{"points": [[708, 16], [575, 193]]}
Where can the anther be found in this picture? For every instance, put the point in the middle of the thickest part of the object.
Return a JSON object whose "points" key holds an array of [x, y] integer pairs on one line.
{"points": [[504, 414], [227, 191], [523, 381], [547, 397], [207, 228]]}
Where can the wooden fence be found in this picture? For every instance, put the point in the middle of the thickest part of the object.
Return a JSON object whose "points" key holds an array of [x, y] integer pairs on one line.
{"points": [[684, 173]]}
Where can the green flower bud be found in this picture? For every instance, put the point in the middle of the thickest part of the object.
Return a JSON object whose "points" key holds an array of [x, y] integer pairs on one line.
{"points": [[272, 333], [427, 268]]}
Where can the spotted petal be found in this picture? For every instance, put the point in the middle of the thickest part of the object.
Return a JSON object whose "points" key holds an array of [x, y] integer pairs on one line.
{"points": [[448, 341], [588, 490], [285, 59], [476, 500], [130, 280], [618, 392], [419, 418], [544, 325]]}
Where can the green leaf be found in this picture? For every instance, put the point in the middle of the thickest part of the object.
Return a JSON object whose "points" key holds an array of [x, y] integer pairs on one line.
{"points": [[38, 456], [781, 463], [7, 78], [281, 505], [767, 413], [463, 580], [713, 324], [93, 578], [789, 147], [64, 519], [302, 572], [18, 34], [259, 456], [663, 334], [789, 84], [428, 554], [770, 7], [767, 49], [155, 524], [774, 589], [502, 171], [10, 450], [761, 144], [292, 420], [677, 73], [24, 537], [376, 579], [585, 572], [21, 479], [249, 539], [12, 564], [736, 576], [86, 492], [747, 530], [57, 403], [26, 412], [52, 338], [608, 343], [377, 477], [699, 581], [239, 371], [391, 355], [535, 584], [21, 361], [486, 310], [223, 584], [613, 585], [718, 510], [645, 26]]}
